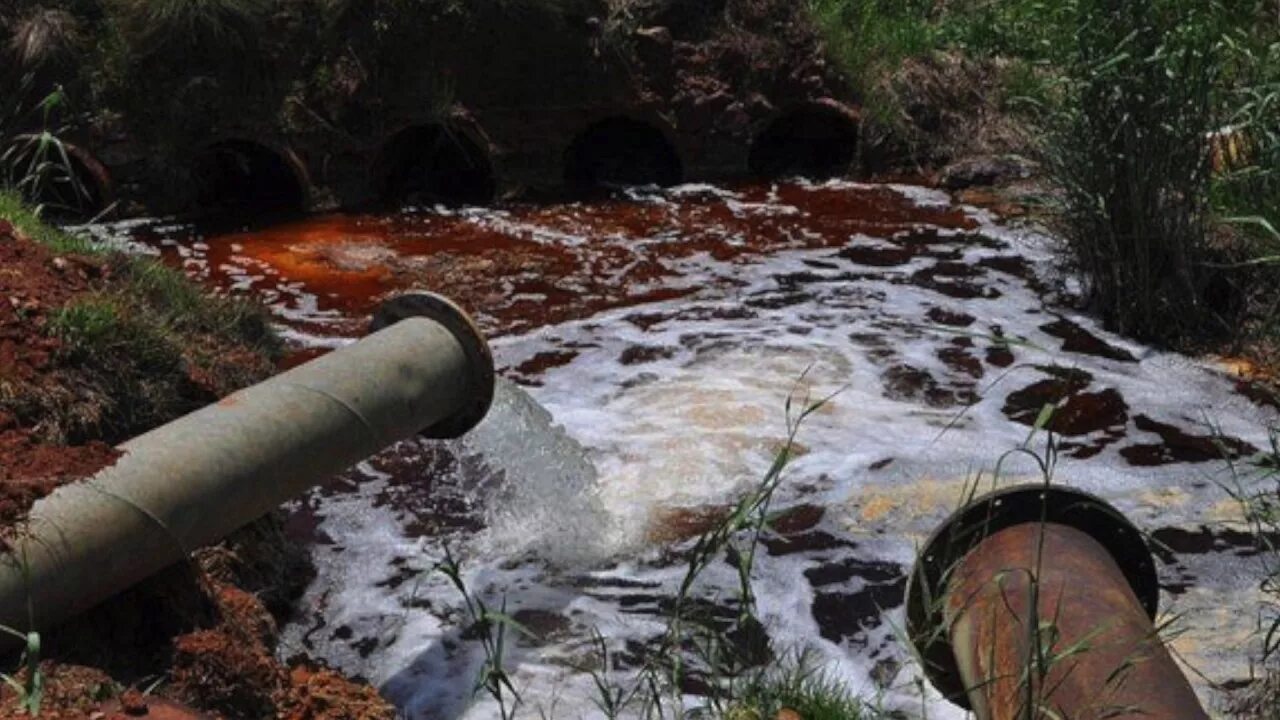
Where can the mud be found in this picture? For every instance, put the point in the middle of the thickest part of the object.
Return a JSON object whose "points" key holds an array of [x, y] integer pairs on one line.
{"points": [[34, 285]]}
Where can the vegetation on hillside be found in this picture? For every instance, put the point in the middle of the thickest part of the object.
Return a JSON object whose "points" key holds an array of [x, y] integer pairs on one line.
{"points": [[1158, 120]]}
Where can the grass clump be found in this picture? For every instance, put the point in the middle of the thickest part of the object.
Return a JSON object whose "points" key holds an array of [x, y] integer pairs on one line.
{"points": [[1131, 155], [799, 686], [143, 346], [1149, 85], [870, 38], [147, 349], [16, 211]]}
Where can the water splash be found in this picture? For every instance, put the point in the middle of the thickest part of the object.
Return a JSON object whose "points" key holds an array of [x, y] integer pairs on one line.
{"points": [[547, 502]]}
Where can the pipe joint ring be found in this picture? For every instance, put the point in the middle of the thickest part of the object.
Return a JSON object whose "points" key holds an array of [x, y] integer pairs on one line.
{"points": [[987, 515], [482, 375]]}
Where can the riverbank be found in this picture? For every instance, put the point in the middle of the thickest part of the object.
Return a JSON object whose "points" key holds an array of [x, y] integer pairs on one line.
{"points": [[96, 347]]}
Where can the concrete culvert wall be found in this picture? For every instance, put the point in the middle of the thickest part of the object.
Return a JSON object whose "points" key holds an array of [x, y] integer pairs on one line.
{"points": [[621, 151], [434, 163], [815, 140], [245, 176]]}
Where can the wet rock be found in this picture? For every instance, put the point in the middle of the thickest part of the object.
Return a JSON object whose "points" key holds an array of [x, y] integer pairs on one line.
{"points": [[671, 525], [776, 301], [1260, 393], [954, 280], [544, 361], [804, 542], [877, 256], [884, 672], [1000, 352], [852, 615], [543, 625], [1014, 265], [984, 170], [797, 519], [1173, 541]]}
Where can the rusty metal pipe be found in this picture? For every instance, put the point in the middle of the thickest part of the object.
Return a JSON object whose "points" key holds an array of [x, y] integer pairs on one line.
{"points": [[425, 369], [1041, 606]]}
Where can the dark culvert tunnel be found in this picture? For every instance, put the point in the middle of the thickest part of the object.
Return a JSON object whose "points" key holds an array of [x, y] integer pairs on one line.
{"points": [[816, 141], [434, 164], [621, 151], [245, 176]]}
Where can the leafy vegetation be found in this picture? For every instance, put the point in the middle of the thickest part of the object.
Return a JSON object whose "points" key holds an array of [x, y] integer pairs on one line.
{"points": [[15, 210], [1159, 120], [157, 349], [1130, 153], [148, 345]]}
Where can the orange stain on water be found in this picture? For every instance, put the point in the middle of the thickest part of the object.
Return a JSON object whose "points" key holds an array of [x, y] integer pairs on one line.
{"points": [[519, 267]]}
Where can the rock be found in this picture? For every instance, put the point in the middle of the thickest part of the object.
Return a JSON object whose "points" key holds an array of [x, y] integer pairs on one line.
{"points": [[984, 170]]}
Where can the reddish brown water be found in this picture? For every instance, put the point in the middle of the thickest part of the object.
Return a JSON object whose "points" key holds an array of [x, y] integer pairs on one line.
{"points": [[522, 266]]}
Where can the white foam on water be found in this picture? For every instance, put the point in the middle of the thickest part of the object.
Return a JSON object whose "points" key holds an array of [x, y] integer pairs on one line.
{"points": [[680, 404]]}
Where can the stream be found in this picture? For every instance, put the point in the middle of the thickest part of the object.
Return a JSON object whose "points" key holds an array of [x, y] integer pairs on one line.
{"points": [[648, 345]]}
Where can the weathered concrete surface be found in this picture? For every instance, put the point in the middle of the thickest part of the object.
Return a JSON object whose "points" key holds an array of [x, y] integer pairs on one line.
{"points": [[517, 81]]}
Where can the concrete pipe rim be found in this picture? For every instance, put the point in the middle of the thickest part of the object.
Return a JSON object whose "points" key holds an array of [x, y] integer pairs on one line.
{"points": [[987, 515], [482, 377]]}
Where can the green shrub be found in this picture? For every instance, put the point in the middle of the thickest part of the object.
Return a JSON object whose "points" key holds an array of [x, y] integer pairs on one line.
{"points": [[869, 38], [1129, 149]]}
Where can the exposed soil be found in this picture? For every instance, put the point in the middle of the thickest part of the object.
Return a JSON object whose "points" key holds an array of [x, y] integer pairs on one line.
{"points": [[34, 284], [204, 629]]}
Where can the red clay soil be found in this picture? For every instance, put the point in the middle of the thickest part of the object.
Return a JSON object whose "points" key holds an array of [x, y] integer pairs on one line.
{"points": [[33, 284], [231, 669], [211, 644]]}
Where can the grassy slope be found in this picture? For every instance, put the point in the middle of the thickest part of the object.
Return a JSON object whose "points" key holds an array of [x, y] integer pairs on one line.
{"points": [[145, 346]]}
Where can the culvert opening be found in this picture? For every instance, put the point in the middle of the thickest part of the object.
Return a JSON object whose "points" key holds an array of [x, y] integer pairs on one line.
{"points": [[621, 151], [434, 164], [245, 176], [815, 141]]}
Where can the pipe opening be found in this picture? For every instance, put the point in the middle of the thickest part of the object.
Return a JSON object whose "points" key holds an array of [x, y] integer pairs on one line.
{"points": [[621, 151], [434, 164], [245, 176], [816, 141]]}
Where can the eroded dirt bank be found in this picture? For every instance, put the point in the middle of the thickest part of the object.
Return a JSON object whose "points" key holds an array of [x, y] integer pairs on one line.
{"points": [[91, 353]]}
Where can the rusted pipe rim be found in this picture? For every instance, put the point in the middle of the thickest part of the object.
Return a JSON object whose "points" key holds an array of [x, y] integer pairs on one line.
{"points": [[988, 515], [481, 378]]}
